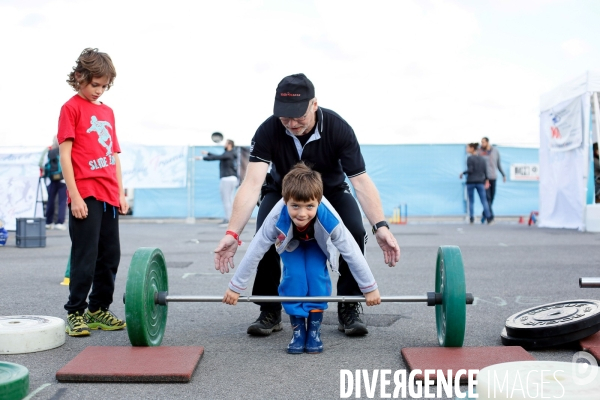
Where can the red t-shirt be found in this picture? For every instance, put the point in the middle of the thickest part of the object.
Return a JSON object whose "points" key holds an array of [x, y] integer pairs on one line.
{"points": [[91, 127]]}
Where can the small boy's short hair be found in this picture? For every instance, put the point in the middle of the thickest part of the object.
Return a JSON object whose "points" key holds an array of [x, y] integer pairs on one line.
{"points": [[302, 184], [91, 64]]}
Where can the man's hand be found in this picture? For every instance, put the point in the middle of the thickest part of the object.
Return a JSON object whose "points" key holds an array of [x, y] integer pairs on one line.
{"points": [[231, 297], [373, 298], [224, 254], [460, 176], [504, 178], [487, 184], [389, 245]]}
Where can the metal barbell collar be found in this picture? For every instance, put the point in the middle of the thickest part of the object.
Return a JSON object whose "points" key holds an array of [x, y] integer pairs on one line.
{"points": [[431, 299], [589, 282]]}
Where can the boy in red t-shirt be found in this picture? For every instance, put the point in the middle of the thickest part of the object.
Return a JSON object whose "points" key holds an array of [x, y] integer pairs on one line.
{"points": [[90, 164]]}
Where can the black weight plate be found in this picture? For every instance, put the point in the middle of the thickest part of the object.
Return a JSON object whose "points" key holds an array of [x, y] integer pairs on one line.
{"points": [[554, 319], [551, 341]]}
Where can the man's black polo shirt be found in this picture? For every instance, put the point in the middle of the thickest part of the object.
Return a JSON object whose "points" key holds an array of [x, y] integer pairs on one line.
{"points": [[333, 149]]}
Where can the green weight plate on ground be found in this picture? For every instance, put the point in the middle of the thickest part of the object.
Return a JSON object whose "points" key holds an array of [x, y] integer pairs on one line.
{"points": [[14, 381], [451, 315], [147, 276]]}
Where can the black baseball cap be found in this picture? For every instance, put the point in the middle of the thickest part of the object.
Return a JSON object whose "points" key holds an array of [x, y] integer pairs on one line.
{"points": [[293, 94]]}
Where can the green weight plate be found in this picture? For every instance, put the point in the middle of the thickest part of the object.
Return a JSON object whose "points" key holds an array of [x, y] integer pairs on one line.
{"points": [[147, 276], [14, 381], [451, 315]]}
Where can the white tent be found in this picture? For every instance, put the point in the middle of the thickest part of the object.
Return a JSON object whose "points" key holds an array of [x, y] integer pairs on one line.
{"points": [[567, 128]]}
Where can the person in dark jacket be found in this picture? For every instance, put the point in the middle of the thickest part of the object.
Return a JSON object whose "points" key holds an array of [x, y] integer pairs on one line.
{"points": [[57, 188], [477, 179], [228, 174], [596, 171]]}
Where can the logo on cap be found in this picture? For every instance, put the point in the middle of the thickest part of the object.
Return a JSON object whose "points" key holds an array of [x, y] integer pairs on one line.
{"points": [[291, 94]]}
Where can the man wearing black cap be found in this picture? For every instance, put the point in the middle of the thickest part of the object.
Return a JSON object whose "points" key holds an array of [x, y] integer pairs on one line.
{"points": [[301, 130]]}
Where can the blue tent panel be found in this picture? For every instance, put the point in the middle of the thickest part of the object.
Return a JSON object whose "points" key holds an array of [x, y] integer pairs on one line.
{"points": [[425, 177]]}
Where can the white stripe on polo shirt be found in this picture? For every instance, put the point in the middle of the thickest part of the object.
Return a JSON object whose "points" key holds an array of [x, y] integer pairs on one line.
{"points": [[299, 148]]}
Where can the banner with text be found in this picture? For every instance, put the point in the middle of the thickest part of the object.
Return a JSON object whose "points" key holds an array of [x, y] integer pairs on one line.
{"points": [[524, 172], [153, 166], [19, 167], [564, 124]]}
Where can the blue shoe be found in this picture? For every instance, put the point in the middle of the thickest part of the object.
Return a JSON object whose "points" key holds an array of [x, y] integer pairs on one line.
{"points": [[296, 346], [313, 339]]}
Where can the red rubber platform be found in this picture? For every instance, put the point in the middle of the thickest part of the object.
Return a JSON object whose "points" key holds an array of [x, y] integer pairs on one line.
{"points": [[590, 341], [591, 344], [132, 364], [595, 351], [457, 358]]}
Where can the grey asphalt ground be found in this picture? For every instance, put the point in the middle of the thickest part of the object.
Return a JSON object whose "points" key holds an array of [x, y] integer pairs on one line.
{"points": [[509, 267]]}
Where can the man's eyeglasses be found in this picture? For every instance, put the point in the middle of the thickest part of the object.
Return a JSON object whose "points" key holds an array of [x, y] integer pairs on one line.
{"points": [[301, 119]]}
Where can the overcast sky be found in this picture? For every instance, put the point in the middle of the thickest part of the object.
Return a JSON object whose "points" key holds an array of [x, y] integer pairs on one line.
{"points": [[399, 71]]}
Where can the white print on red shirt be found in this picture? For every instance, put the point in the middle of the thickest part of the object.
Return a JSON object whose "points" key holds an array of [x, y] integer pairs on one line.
{"points": [[103, 135], [102, 162]]}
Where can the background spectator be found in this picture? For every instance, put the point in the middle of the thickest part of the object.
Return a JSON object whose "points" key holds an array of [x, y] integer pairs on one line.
{"points": [[492, 161], [228, 174], [56, 188]]}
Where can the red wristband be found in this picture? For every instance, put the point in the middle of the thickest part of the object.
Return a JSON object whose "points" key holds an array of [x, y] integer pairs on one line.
{"points": [[235, 236]]}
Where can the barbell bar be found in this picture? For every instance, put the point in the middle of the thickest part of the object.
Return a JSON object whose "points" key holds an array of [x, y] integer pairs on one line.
{"points": [[431, 299], [589, 282], [146, 297]]}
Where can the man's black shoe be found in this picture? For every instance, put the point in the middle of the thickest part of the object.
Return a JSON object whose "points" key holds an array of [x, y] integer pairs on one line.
{"points": [[267, 322], [349, 320]]}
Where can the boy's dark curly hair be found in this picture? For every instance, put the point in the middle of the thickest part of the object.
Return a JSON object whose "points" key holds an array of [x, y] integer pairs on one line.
{"points": [[91, 64]]}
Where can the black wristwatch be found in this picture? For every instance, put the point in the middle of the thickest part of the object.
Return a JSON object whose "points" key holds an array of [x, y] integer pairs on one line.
{"points": [[379, 225]]}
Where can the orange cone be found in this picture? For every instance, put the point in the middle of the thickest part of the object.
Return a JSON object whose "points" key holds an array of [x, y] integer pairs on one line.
{"points": [[521, 221]]}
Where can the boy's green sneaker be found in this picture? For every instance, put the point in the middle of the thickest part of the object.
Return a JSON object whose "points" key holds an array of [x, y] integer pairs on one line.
{"points": [[103, 319], [76, 325]]}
